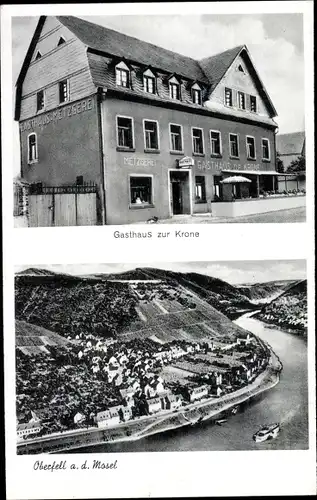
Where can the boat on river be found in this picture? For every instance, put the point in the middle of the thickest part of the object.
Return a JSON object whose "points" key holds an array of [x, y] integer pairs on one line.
{"points": [[266, 432], [221, 421]]}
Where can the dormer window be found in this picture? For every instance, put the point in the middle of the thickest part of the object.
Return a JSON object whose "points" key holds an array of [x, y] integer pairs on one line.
{"points": [[174, 88], [196, 94], [149, 82], [38, 55], [61, 41], [122, 75]]}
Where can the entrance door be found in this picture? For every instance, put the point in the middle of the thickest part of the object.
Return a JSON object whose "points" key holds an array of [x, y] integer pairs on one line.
{"points": [[180, 197]]}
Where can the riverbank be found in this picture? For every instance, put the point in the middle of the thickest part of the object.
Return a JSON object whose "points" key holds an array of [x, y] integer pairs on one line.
{"points": [[190, 415], [284, 328]]}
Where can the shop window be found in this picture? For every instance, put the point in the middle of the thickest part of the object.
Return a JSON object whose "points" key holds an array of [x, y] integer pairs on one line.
{"points": [[228, 97], [250, 141], [40, 100], [63, 91], [151, 135], [234, 145], [217, 187], [174, 89], [198, 141], [141, 191], [200, 189], [215, 143], [253, 106], [176, 141], [125, 132], [241, 100], [122, 75], [32, 148], [149, 82], [265, 149]]}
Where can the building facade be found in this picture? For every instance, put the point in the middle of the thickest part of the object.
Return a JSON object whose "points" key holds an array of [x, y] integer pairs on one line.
{"points": [[155, 132]]}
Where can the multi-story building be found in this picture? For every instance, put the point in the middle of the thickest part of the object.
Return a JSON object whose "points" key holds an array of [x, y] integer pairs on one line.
{"points": [[154, 131]]}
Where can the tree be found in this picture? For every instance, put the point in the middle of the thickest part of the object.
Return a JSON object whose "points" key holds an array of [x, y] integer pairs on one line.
{"points": [[298, 165], [279, 163]]}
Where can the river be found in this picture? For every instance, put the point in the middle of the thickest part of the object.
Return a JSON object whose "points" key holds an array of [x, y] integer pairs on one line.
{"points": [[286, 403]]}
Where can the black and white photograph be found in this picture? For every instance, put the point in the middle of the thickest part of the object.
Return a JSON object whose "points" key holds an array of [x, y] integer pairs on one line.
{"points": [[197, 356], [160, 119]]}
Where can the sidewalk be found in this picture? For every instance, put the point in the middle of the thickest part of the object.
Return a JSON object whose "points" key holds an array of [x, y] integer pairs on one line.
{"points": [[290, 215]]}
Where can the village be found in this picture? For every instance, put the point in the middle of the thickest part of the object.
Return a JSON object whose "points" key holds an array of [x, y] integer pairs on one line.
{"points": [[106, 383]]}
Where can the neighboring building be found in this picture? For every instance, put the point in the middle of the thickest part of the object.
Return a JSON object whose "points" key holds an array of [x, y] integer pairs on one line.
{"points": [[174, 401], [32, 427], [154, 405], [289, 147], [198, 392], [108, 418], [131, 130]]}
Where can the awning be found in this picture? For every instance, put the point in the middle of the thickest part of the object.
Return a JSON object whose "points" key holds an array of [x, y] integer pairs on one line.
{"points": [[235, 179], [252, 172]]}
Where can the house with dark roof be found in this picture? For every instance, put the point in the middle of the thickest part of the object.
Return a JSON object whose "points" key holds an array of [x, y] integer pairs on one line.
{"points": [[116, 130], [290, 146]]}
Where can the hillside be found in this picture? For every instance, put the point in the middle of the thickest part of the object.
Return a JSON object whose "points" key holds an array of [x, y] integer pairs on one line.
{"points": [[261, 292], [32, 339], [70, 305], [289, 310]]}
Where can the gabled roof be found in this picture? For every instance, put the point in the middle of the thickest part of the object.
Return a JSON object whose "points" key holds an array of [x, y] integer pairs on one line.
{"points": [[290, 144], [118, 44], [215, 67]]}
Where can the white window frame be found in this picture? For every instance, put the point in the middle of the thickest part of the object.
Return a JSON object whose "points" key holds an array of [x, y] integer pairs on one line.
{"points": [[246, 145], [256, 104], [174, 81], [134, 205], [36, 159], [194, 88], [269, 149], [219, 133], [68, 90], [238, 100], [203, 140], [237, 136], [39, 110], [127, 148], [149, 74], [158, 134], [122, 66], [224, 97], [170, 138]]}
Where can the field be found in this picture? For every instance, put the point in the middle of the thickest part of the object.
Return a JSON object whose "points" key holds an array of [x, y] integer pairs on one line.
{"points": [[32, 339]]}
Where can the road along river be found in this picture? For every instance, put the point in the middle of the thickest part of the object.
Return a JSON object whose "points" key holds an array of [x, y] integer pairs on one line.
{"points": [[286, 403]]}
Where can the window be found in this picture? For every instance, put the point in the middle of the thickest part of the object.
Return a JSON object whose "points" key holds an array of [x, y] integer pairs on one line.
{"points": [[63, 91], [241, 100], [228, 97], [141, 191], [198, 141], [253, 103], [80, 180], [38, 55], [32, 148], [150, 134], [215, 143], [265, 149], [234, 145], [176, 138], [149, 81], [125, 132], [40, 100], [174, 88], [200, 189], [217, 186], [250, 141], [240, 68], [61, 41], [122, 75], [196, 94]]}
